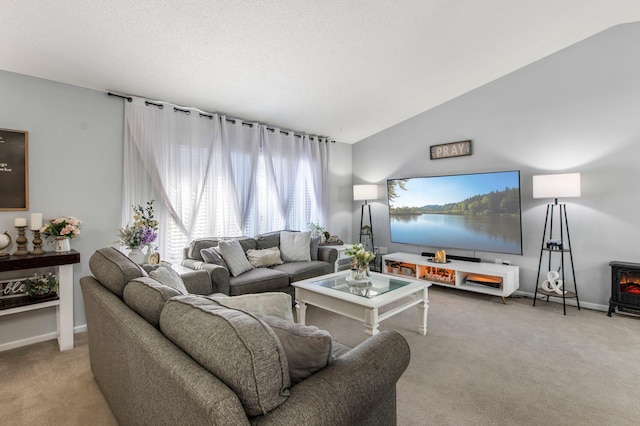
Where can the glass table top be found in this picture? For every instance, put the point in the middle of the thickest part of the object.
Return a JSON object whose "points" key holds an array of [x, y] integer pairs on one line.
{"points": [[379, 284]]}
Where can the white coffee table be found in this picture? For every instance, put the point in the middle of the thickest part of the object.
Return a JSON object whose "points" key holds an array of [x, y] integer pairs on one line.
{"points": [[365, 303]]}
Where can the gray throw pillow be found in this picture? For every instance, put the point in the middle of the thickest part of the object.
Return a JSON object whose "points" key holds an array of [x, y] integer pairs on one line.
{"points": [[308, 348], [295, 246], [315, 243], [213, 255], [169, 277], [234, 256]]}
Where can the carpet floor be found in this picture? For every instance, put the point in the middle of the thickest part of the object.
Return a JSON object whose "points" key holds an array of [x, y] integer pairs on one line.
{"points": [[481, 363]]}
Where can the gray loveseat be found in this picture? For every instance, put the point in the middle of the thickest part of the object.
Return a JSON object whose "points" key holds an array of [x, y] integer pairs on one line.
{"points": [[151, 379], [258, 280]]}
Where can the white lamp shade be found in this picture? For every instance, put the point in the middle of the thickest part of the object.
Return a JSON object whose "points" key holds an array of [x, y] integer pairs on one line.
{"points": [[365, 192], [556, 186]]}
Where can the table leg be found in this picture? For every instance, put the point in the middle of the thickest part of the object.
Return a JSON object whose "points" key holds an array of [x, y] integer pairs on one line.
{"points": [[423, 308], [371, 322], [64, 311], [301, 310]]}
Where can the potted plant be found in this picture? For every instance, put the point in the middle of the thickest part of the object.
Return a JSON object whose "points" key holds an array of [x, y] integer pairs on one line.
{"points": [[61, 229], [41, 286], [143, 232]]}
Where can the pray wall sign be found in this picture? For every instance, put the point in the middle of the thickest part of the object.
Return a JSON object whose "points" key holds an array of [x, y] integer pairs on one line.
{"points": [[448, 150]]}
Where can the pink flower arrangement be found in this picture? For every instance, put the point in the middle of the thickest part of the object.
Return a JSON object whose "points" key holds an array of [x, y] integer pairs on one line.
{"points": [[67, 226]]}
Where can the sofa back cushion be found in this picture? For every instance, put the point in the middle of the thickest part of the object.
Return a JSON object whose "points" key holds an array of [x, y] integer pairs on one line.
{"points": [[147, 297], [235, 346], [114, 270], [267, 240]]}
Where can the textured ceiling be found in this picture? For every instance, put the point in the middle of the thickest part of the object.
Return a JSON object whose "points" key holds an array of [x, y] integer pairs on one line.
{"points": [[344, 69]]}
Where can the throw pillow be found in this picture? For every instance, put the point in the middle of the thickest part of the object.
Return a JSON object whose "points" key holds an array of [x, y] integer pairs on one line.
{"points": [[315, 243], [308, 348], [295, 246], [264, 257], [213, 255], [168, 276], [275, 303], [234, 256]]}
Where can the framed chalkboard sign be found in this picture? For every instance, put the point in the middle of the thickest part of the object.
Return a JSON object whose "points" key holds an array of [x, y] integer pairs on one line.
{"points": [[14, 170]]}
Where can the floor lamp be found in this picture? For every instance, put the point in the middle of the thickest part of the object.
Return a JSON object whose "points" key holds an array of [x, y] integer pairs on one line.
{"points": [[365, 193], [556, 186]]}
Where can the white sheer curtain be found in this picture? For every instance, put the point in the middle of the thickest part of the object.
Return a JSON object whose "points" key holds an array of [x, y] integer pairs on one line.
{"points": [[211, 176]]}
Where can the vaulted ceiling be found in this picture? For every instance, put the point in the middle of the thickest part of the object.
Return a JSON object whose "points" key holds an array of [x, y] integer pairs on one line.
{"points": [[339, 68]]}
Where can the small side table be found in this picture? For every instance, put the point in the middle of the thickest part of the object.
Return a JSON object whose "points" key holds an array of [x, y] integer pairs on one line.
{"points": [[63, 263]]}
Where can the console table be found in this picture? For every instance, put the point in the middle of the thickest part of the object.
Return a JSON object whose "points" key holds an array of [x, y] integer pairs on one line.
{"points": [[63, 262]]}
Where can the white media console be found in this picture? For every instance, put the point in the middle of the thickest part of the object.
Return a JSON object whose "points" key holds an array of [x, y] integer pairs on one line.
{"points": [[488, 278]]}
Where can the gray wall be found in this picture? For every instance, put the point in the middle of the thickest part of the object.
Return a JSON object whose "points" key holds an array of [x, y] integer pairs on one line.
{"points": [[575, 111], [75, 168]]}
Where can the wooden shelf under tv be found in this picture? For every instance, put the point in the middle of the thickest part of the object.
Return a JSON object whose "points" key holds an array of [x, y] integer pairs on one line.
{"points": [[502, 280]]}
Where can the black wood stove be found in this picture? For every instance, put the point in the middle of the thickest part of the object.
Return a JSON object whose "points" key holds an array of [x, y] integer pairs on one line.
{"points": [[625, 286]]}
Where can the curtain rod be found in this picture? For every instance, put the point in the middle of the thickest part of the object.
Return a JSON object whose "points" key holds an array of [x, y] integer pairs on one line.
{"points": [[210, 117]]}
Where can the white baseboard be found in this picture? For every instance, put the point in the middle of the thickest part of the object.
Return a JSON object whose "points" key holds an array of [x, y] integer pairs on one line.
{"points": [[37, 339], [569, 302]]}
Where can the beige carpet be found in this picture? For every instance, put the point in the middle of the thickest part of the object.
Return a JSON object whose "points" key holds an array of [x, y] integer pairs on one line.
{"points": [[481, 363]]}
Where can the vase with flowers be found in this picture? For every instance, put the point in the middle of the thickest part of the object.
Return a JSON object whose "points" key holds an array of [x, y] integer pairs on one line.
{"points": [[61, 230], [142, 233], [360, 259]]}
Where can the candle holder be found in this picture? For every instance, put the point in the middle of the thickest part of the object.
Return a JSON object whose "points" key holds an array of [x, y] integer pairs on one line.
{"points": [[21, 242], [37, 243]]}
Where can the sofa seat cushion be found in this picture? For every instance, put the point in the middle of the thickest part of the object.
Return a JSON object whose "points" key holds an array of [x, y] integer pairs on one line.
{"points": [[147, 297], [298, 271], [258, 280], [113, 269], [236, 346]]}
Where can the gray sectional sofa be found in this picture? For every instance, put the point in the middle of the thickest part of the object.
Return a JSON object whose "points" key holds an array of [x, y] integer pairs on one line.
{"points": [[163, 358], [273, 278]]}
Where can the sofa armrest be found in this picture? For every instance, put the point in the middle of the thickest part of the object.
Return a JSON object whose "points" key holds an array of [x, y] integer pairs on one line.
{"points": [[327, 254], [357, 388], [219, 275], [197, 282]]}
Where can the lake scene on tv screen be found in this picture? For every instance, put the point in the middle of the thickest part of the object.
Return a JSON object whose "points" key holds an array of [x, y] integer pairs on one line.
{"points": [[479, 212]]}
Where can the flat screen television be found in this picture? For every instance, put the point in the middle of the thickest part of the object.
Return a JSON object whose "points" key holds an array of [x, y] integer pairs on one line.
{"points": [[476, 211]]}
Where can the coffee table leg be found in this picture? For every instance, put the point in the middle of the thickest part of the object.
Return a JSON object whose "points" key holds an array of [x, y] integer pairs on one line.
{"points": [[301, 310], [423, 308], [371, 322]]}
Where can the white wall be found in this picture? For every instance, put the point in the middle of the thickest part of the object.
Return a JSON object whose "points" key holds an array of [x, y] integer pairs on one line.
{"points": [[75, 168], [575, 111]]}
